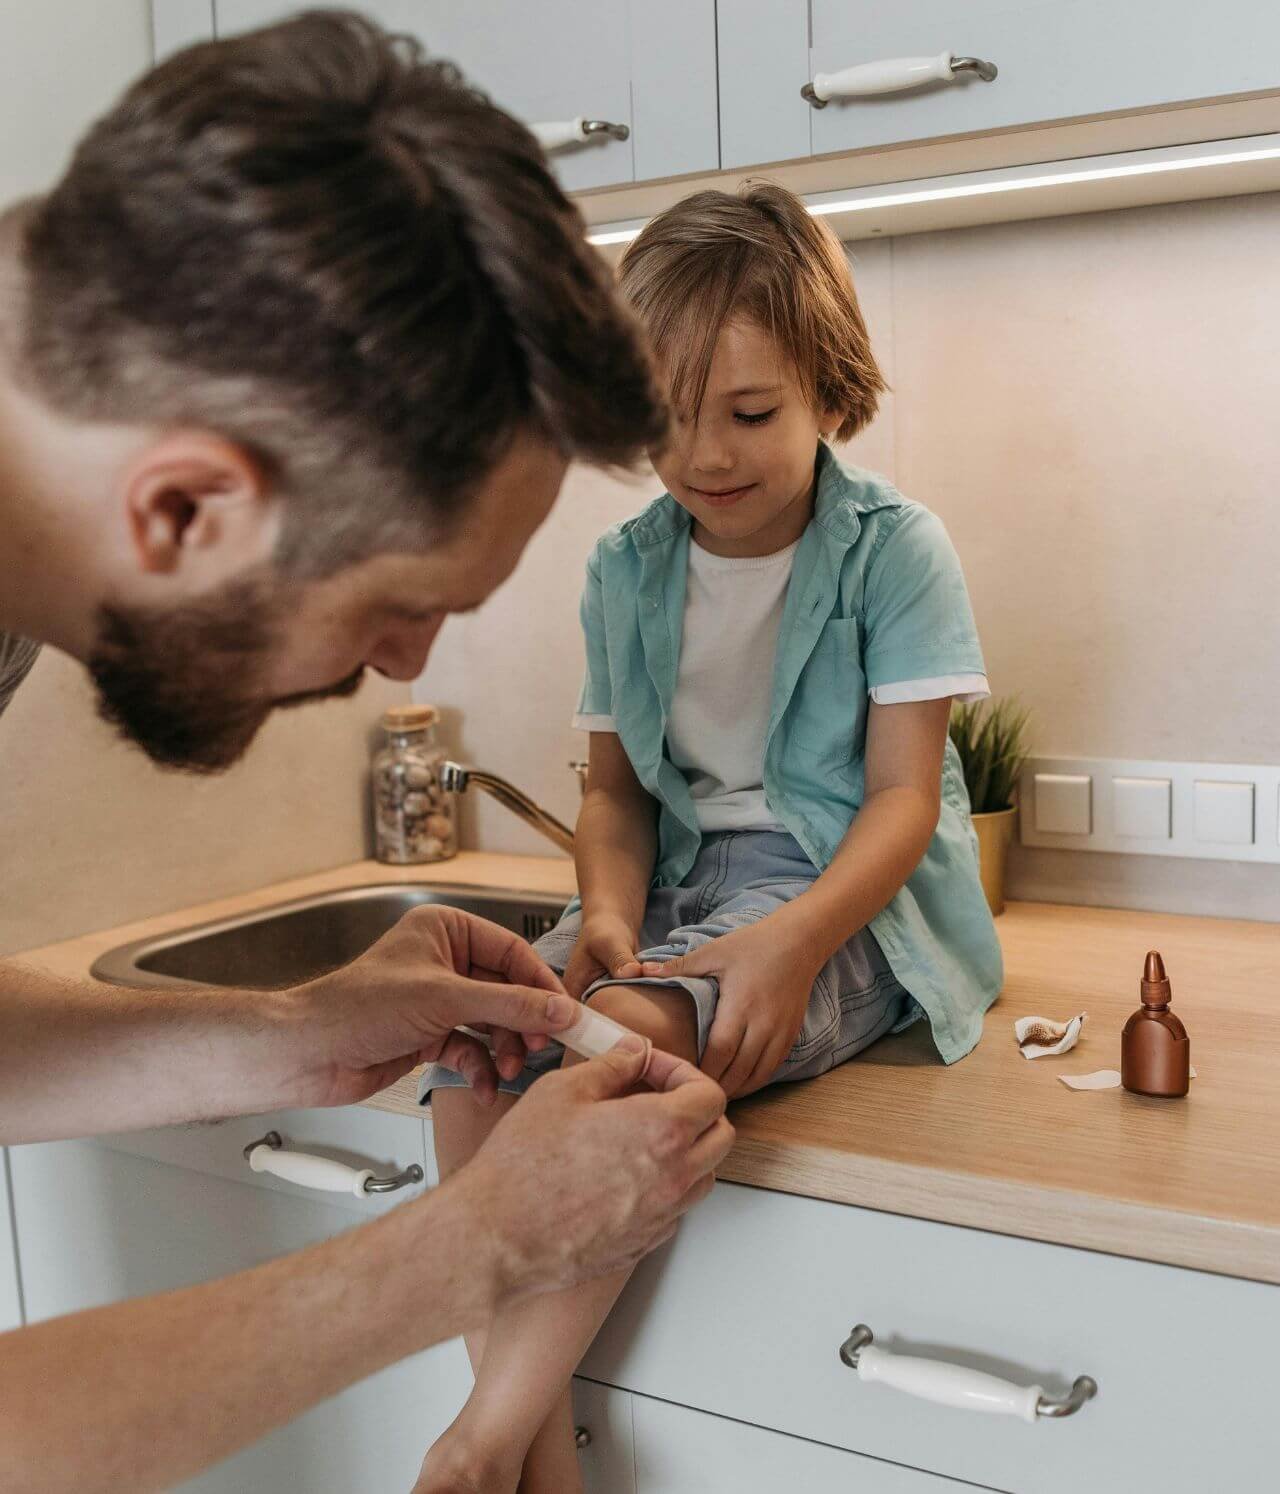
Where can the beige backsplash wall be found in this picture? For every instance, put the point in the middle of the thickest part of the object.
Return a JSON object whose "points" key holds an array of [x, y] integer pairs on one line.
{"points": [[1089, 403], [90, 834]]}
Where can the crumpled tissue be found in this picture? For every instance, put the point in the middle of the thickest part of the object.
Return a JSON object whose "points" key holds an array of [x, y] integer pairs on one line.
{"points": [[1041, 1037]]}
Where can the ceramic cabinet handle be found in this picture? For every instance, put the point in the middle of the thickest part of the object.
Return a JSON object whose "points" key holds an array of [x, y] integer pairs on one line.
{"points": [[266, 1155], [557, 134], [953, 1385], [892, 75]]}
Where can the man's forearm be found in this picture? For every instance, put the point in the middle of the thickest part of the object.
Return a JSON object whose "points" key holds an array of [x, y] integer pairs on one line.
{"points": [[143, 1394], [80, 1060], [615, 844]]}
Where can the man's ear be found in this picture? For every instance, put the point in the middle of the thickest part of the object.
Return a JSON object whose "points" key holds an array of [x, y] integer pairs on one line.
{"points": [[191, 494]]}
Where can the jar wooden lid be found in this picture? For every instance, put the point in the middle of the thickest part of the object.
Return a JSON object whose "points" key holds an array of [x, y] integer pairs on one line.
{"points": [[409, 717]]}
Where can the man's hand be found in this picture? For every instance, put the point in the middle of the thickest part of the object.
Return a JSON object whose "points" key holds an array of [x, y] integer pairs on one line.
{"points": [[606, 947], [765, 983], [358, 1029], [573, 1183], [582, 1178]]}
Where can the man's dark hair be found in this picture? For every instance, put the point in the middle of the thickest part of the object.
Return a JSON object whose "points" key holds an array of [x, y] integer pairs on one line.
{"points": [[338, 254]]}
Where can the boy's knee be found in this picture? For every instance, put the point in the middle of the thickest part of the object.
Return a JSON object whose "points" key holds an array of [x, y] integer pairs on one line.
{"points": [[664, 1014]]}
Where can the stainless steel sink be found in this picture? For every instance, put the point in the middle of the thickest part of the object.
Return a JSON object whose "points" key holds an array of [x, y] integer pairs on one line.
{"points": [[296, 941]]}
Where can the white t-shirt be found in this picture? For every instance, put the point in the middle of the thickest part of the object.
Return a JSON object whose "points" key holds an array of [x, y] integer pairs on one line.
{"points": [[724, 685]]}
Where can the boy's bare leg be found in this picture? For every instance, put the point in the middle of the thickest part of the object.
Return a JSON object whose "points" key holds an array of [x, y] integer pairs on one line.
{"points": [[460, 1126], [519, 1416]]}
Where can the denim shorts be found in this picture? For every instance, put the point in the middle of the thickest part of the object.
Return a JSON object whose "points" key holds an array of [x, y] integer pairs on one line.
{"points": [[740, 877]]}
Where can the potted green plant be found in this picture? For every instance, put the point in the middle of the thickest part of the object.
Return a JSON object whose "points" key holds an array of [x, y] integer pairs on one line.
{"points": [[990, 737]]}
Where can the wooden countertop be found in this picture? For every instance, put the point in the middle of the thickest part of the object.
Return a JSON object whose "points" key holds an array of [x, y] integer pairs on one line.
{"points": [[995, 1141]]}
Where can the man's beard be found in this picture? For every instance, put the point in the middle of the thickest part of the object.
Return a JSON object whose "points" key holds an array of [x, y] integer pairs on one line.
{"points": [[185, 683]]}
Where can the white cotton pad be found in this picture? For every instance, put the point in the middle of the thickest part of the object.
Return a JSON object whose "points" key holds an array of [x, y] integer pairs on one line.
{"points": [[593, 1033], [1103, 1079]]}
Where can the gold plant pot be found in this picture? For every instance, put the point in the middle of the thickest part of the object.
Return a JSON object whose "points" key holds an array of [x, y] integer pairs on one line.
{"points": [[995, 832]]}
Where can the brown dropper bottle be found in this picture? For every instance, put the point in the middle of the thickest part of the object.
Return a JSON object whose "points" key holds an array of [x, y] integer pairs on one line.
{"points": [[1155, 1052]]}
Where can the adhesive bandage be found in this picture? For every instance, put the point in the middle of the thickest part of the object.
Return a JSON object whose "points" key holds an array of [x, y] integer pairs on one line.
{"points": [[592, 1034]]}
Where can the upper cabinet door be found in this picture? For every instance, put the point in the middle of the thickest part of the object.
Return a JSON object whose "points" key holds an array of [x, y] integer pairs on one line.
{"points": [[1055, 60], [764, 63], [178, 23], [10, 1294], [617, 89]]}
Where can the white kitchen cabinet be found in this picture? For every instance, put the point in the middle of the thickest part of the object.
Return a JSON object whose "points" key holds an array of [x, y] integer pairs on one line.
{"points": [[10, 1291], [740, 1321], [97, 1223], [646, 65], [1057, 60], [705, 85], [743, 1315], [678, 1451]]}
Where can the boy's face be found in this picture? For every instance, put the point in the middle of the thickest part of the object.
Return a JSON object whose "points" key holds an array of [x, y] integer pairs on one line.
{"points": [[744, 466], [191, 683]]}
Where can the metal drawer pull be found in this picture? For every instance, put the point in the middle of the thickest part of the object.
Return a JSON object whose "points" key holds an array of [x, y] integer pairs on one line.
{"points": [[953, 1385], [265, 1155], [557, 134], [891, 75], [581, 1438]]}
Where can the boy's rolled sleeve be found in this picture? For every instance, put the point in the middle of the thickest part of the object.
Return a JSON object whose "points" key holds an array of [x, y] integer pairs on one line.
{"points": [[595, 704], [918, 625]]}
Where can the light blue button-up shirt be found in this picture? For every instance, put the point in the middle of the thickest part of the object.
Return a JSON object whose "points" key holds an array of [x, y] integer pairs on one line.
{"points": [[877, 597]]}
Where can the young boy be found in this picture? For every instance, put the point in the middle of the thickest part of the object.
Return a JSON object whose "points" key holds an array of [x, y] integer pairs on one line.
{"points": [[775, 856]]}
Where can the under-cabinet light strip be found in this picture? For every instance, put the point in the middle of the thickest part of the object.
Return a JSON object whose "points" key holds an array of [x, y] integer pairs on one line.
{"points": [[990, 185]]}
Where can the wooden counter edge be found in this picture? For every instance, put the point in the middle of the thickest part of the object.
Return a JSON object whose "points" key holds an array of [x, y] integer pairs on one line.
{"points": [[1053, 1215], [1058, 1217]]}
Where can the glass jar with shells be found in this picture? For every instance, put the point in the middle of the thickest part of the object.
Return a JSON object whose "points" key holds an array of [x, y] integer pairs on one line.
{"points": [[415, 820]]}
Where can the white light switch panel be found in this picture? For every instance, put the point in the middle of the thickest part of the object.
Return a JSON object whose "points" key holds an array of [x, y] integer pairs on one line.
{"points": [[1064, 803], [1220, 811], [1143, 807], [1224, 812]]}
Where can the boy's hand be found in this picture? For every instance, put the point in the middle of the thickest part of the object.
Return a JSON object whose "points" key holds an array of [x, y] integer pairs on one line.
{"points": [[606, 948], [765, 983]]}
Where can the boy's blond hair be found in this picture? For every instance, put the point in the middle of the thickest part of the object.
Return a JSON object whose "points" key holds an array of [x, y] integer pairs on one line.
{"points": [[755, 254]]}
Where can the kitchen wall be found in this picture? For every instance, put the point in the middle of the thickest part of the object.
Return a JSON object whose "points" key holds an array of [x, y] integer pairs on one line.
{"points": [[1089, 403], [90, 834]]}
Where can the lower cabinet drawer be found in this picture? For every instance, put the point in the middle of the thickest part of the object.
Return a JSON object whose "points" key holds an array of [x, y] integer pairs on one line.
{"points": [[390, 1146], [678, 1451], [630, 1444], [743, 1315], [606, 1444], [96, 1224]]}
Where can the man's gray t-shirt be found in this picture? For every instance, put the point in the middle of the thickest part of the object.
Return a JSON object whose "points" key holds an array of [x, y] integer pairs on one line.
{"points": [[17, 655]]}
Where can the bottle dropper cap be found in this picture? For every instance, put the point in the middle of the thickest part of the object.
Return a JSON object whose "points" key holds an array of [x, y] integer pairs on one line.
{"points": [[1156, 991]]}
